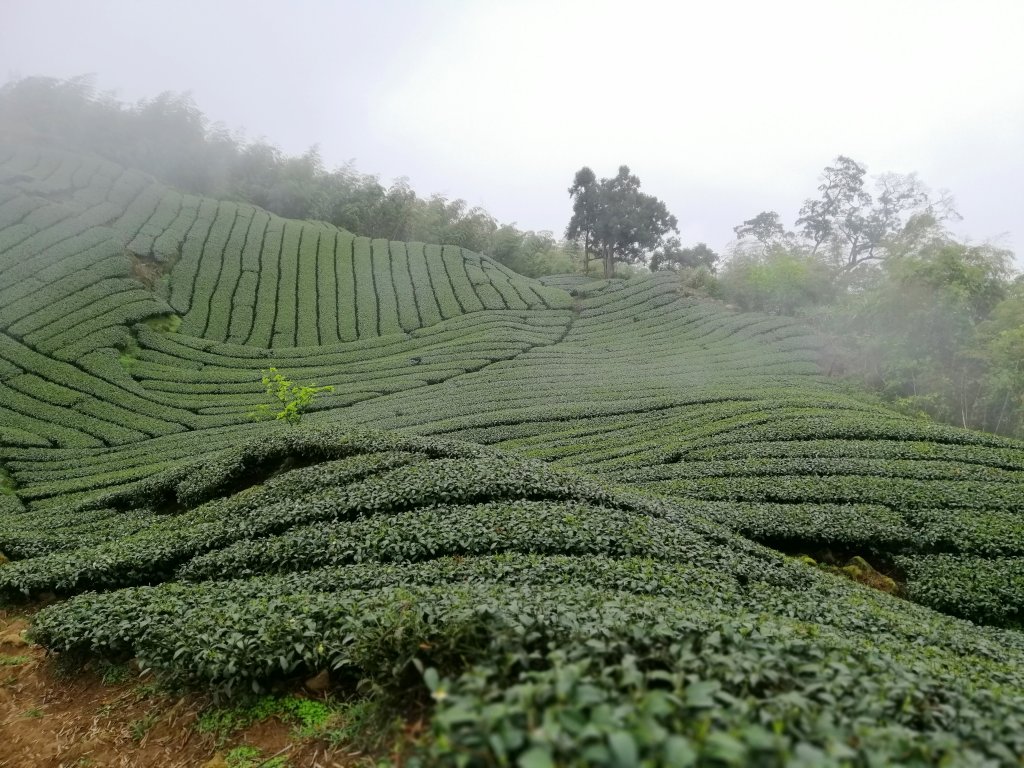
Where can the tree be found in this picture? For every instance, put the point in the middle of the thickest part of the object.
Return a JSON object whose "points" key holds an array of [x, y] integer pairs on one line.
{"points": [[929, 337], [861, 227], [839, 211], [529, 253], [294, 398], [766, 228], [936, 325], [584, 192], [779, 281], [621, 222], [671, 256], [1001, 338]]}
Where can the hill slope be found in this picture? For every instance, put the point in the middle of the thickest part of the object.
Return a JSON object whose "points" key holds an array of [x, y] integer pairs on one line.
{"points": [[599, 567]]}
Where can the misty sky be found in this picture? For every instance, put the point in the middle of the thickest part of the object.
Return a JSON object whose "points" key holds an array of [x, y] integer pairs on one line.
{"points": [[723, 109]]}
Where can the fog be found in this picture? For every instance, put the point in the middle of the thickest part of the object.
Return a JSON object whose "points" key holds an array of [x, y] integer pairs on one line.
{"points": [[723, 110]]}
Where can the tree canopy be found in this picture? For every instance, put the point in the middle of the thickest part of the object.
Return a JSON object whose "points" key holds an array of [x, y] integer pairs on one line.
{"points": [[616, 219], [860, 226], [766, 228], [671, 256], [932, 323]]}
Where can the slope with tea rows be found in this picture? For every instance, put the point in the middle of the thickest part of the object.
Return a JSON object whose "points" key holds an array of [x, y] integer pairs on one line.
{"points": [[563, 460]]}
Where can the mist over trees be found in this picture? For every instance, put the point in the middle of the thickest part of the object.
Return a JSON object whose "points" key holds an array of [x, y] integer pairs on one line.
{"points": [[934, 324], [671, 256], [170, 137]]}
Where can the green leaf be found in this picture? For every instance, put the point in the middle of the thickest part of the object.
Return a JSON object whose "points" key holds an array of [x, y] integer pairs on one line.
{"points": [[536, 757], [701, 694], [679, 753], [431, 679], [624, 749]]}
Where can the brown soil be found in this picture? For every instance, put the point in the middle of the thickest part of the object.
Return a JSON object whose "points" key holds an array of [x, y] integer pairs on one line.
{"points": [[50, 720], [146, 271]]}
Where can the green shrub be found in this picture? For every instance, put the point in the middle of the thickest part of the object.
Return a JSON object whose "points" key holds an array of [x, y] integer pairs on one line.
{"points": [[293, 399]]}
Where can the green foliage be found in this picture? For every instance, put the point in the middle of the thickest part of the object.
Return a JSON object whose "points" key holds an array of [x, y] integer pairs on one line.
{"points": [[672, 256], [985, 590], [140, 727], [628, 633], [766, 228], [246, 756], [585, 213], [924, 337], [928, 321], [293, 399], [628, 624], [367, 724], [777, 281], [243, 756], [618, 220], [529, 253], [169, 323], [113, 673], [128, 354], [699, 281], [307, 715], [859, 227], [6, 483], [541, 527]]}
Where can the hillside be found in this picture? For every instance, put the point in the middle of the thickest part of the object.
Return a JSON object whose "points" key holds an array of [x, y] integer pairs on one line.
{"points": [[564, 513]]}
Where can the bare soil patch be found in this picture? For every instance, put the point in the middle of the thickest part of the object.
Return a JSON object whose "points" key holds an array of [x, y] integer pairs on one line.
{"points": [[49, 719]]}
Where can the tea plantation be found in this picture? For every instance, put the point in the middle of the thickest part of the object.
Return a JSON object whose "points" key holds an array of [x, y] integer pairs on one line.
{"points": [[565, 515]]}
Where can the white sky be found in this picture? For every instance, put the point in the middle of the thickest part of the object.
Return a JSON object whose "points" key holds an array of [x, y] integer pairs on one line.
{"points": [[723, 109]]}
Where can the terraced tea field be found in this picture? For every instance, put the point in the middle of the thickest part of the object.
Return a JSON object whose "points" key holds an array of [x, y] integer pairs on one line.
{"points": [[564, 513]]}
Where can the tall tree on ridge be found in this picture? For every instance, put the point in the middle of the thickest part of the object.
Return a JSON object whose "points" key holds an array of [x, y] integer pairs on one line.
{"points": [[766, 228], [584, 192], [620, 221], [859, 226]]}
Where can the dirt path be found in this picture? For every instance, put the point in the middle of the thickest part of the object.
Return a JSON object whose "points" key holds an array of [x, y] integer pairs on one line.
{"points": [[49, 720]]}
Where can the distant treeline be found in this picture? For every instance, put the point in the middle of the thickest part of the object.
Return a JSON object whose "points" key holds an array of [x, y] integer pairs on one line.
{"points": [[170, 137]]}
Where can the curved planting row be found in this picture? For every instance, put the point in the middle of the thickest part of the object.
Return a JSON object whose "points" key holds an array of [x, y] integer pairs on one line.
{"points": [[69, 292], [638, 384], [698, 405], [91, 255], [223, 378], [253, 279], [505, 593]]}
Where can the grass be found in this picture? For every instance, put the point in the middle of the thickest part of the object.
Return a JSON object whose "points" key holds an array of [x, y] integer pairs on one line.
{"points": [[307, 716], [114, 674], [128, 353], [166, 323], [372, 726], [245, 756], [139, 728]]}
